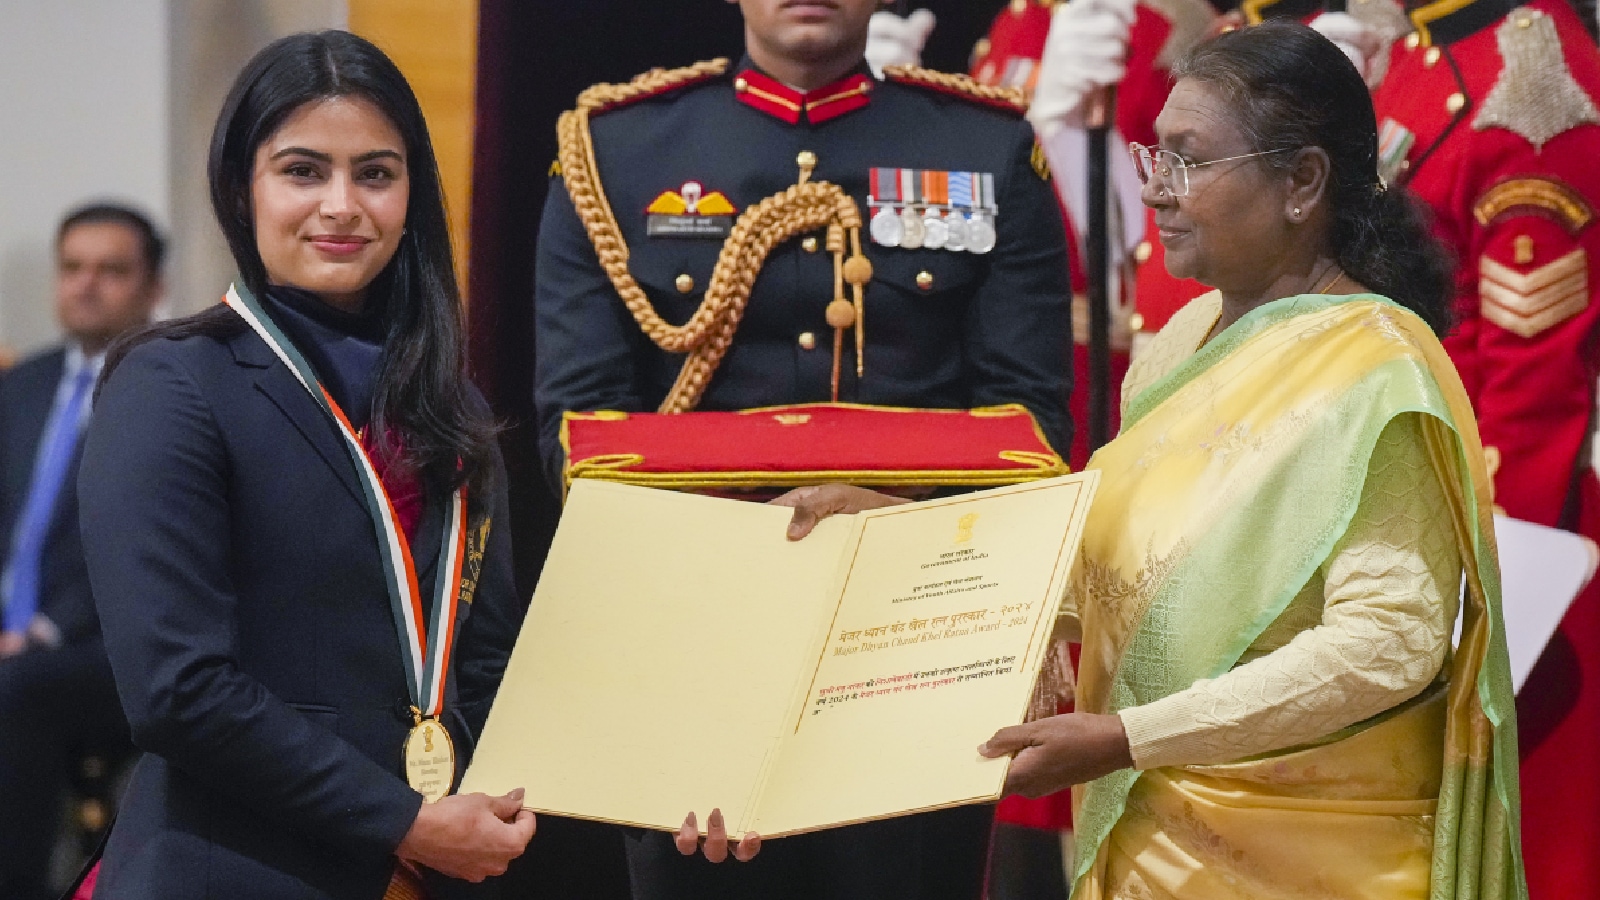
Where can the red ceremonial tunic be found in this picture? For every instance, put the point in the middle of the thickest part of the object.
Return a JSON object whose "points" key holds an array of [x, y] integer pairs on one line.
{"points": [[1488, 115]]}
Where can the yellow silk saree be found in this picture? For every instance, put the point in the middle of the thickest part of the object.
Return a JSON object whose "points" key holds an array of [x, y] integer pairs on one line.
{"points": [[1235, 474]]}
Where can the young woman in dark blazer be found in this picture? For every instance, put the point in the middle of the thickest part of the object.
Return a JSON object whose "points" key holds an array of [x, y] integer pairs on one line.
{"points": [[295, 520]]}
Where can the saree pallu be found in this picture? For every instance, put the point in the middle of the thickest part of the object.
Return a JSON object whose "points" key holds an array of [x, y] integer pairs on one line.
{"points": [[1235, 475]]}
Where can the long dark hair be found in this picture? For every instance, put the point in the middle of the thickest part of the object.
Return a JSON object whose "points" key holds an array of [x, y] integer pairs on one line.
{"points": [[1291, 88], [424, 410]]}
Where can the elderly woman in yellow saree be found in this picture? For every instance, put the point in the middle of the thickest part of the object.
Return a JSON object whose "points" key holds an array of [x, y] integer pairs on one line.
{"points": [[1269, 704]]}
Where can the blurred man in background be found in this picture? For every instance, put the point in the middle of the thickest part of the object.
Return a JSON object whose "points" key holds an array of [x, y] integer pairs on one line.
{"points": [[56, 692]]}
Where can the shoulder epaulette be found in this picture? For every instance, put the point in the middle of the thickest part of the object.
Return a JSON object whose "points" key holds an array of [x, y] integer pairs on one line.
{"points": [[605, 97], [1535, 95], [1007, 98]]}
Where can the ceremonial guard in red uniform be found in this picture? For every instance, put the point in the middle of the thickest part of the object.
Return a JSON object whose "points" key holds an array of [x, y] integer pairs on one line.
{"points": [[1128, 47], [1131, 46], [1488, 113]]}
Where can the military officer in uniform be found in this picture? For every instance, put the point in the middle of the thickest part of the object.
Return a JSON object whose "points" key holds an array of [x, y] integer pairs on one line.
{"points": [[1488, 113], [889, 242]]}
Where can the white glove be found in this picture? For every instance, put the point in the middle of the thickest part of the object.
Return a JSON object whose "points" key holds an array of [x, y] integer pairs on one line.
{"points": [[1087, 49], [893, 41], [1358, 41]]}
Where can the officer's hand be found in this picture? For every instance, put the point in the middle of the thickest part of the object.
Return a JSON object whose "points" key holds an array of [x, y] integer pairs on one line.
{"points": [[469, 836], [813, 504], [715, 844], [1060, 751]]}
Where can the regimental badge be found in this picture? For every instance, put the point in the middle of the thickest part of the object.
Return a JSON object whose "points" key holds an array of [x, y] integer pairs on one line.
{"points": [[1394, 142], [916, 208], [690, 212]]}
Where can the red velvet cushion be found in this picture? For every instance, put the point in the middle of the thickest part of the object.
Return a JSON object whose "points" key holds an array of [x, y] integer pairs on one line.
{"points": [[807, 443]]}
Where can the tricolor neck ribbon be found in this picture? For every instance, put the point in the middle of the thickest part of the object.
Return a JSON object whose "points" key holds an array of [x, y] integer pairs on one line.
{"points": [[425, 645]]}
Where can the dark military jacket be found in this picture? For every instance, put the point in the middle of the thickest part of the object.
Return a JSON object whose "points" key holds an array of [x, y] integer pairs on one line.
{"points": [[944, 328]]}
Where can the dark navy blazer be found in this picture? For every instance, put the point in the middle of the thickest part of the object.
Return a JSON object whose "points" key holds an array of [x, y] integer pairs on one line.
{"points": [[238, 576]]}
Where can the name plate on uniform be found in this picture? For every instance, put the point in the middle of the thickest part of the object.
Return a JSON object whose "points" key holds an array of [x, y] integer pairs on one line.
{"points": [[689, 226], [690, 212]]}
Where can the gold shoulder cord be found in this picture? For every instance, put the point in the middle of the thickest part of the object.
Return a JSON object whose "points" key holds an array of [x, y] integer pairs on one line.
{"points": [[806, 206], [1011, 97]]}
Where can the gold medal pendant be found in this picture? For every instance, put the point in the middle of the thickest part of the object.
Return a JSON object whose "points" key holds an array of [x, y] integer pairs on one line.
{"points": [[430, 760]]}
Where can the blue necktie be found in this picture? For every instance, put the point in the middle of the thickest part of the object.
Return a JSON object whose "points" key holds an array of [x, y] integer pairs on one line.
{"points": [[21, 581]]}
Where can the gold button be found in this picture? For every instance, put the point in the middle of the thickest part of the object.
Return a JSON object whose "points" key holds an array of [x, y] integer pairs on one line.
{"points": [[685, 284], [1413, 41], [739, 84], [807, 340], [925, 279], [1524, 19], [809, 245], [1454, 102], [1430, 58], [807, 159], [1136, 322], [1141, 253], [981, 48], [1522, 248]]}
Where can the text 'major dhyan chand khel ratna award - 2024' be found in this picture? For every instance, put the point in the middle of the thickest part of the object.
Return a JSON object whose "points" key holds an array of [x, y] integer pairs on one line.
{"points": [[845, 677]]}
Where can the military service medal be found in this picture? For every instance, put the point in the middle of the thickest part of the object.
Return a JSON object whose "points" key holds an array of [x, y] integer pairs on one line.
{"points": [[980, 233], [911, 229], [955, 226], [425, 645], [915, 208], [886, 228], [935, 190]]}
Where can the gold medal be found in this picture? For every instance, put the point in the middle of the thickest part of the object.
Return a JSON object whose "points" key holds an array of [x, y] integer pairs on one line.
{"points": [[430, 760]]}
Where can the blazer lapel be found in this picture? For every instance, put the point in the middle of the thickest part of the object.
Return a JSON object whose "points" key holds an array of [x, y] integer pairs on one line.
{"points": [[275, 380]]}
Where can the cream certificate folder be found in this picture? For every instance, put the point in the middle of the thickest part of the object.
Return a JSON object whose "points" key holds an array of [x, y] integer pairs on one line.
{"points": [[681, 654]]}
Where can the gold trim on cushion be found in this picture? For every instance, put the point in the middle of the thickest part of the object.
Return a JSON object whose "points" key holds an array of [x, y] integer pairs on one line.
{"points": [[621, 467]]}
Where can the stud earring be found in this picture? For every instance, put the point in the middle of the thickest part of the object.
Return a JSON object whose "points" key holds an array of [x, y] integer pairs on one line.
{"points": [[1297, 212]]}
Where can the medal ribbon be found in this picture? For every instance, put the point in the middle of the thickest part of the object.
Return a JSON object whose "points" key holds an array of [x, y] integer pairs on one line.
{"points": [[426, 666]]}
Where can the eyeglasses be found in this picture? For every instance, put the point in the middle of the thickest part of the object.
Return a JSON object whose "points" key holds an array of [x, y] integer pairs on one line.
{"points": [[1172, 169]]}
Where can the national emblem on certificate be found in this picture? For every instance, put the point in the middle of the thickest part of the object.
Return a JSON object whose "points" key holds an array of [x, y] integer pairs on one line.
{"points": [[853, 673]]}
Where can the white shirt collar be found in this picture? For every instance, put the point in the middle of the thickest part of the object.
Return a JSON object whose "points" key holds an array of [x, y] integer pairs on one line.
{"points": [[77, 359]]}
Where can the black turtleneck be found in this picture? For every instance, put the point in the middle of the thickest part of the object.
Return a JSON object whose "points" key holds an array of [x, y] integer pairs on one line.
{"points": [[344, 348]]}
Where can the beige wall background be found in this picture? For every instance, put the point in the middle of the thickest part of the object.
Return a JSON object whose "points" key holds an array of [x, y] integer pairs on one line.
{"points": [[83, 115], [210, 41]]}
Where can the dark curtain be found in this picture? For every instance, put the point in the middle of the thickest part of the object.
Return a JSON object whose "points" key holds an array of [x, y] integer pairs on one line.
{"points": [[534, 56]]}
